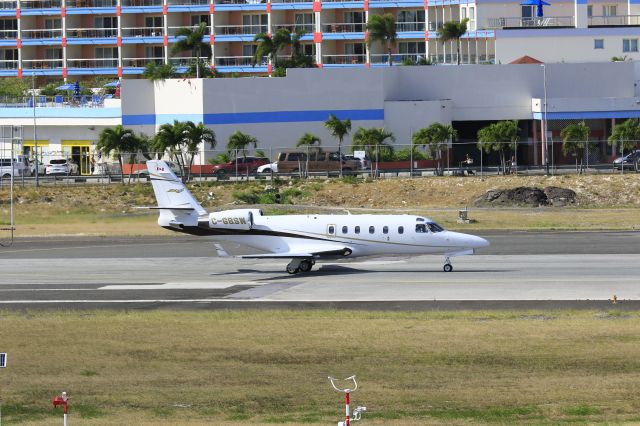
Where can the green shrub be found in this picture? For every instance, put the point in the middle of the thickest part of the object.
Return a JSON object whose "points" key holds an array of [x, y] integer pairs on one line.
{"points": [[405, 155], [220, 159]]}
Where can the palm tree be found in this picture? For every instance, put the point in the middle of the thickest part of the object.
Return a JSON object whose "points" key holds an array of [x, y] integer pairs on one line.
{"points": [[296, 44], [499, 137], [239, 141], [197, 134], [382, 28], [373, 142], [338, 129], [270, 46], [574, 140], [170, 138], [453, 30], [117, 140], [308, 139], [434, 138], [155, 72], [626, 136], [191, 39]]}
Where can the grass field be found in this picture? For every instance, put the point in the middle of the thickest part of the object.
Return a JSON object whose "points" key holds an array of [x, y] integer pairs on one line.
{"points": [[265, 367]]}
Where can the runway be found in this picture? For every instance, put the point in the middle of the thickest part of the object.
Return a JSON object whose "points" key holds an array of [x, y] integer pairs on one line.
{"points": [[520, 270]]}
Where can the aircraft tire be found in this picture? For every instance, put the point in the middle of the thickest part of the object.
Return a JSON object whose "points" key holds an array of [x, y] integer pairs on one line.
{"points": [[447, 267], [292, 270], [305, 266]]}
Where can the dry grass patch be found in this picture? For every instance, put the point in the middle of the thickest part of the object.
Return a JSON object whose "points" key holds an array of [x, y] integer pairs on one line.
{"points": [[271, 367]]}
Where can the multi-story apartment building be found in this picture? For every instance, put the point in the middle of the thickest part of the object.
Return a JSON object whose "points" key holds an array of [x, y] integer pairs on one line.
{"points": [[65, 38]]}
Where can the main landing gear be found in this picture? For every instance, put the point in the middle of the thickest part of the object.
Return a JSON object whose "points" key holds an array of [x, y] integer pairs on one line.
{"points": [[300, 265], [447, 265]]}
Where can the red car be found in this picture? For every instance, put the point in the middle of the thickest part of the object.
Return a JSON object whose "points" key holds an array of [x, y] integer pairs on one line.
{"points": [[241, 165]]}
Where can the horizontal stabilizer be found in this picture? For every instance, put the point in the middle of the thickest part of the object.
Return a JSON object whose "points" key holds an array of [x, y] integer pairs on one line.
{"points": [[166, 208]]}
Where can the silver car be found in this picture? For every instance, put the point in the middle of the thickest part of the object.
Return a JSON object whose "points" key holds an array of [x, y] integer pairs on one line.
{"points": [[61, 166]]}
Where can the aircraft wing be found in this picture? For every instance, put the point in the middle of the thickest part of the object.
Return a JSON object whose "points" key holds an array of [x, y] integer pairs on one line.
{"points": [[322, 251]]}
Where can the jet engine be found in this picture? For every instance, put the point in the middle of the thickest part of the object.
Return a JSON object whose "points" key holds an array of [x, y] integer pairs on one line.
{"points": [[234, 219]]}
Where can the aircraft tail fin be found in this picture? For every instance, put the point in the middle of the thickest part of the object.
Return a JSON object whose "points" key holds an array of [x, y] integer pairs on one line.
{"points": [[177, 206]]}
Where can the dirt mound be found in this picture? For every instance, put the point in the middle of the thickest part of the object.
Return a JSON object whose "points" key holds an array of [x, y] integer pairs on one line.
{"points": [[527, 196]]}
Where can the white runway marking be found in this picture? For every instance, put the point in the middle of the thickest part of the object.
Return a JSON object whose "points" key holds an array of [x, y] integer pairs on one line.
{"points": [[175, 286]]}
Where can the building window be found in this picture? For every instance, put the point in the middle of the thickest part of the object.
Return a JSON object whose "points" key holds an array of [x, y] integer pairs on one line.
{"points": [[472, 13], [528, 12], [598, 43], [255, 24], [304, 21], [357, 230], [630, 45], [590, 11], [156, 52], [609, 10], [153, 22], [197, 19], [345, 229]]}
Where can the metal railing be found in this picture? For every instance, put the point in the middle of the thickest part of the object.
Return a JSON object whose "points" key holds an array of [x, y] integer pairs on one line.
{"points": [[140, 62], [41, 63], [57, 101], [142, 32], [186, 61], [8, 4], [172, 30], [239, 29], [93, 63], [291, 1], [397, 58], [91, 3], [536, 22], [40, 4], [92, 32], [409, 26], [295, 27], [140, 3], [38, 34], [343, 59], [344, 27], [617, 20], [187, 2], [8, 65], [8, 34], [240, 1], [237, 61]]}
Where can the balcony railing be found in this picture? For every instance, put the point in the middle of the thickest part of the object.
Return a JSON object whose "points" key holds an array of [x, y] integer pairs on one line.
{"points": [[142, 32], [138, 3], [291, 1], [8, 4], [343, 27], [238, 61], [239, 29], [92, 63], [188, 2], [186, 61], [617, 20], [8, 34], [541, 22], [41, 63], [397, 58], [37, 34], [295, 27], [8, 65], [140, 62], [172, 30], [40, 4], [409, 26], [92, 32], [91, 3], [240, 1], [343, 59]]}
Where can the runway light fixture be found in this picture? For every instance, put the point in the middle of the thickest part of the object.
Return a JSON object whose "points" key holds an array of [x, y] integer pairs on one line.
{"points": [[62, 400], [357, 413]]}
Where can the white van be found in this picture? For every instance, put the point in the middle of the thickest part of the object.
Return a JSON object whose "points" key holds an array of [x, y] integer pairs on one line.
{"points": [[20, 167]]}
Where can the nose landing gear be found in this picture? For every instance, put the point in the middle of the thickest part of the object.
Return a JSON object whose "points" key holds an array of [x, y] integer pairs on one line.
{"points": [[447, 265], [300, 265]]}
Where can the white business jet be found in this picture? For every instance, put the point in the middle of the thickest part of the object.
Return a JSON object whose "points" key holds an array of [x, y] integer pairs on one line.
{"points": [[305, 238]]}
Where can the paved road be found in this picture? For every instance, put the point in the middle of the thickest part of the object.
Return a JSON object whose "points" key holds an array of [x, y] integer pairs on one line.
{"points": [[519, 270]]}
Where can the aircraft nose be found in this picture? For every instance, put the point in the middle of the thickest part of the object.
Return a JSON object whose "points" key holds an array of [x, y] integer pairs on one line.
{"points": [[479, 242]]}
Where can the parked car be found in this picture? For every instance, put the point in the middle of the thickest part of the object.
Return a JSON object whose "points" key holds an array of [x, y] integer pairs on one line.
{"points": [[363, 162], [268, 168], [629, 161], [61, 166], [244, 165], [106, 169], [42, 167], [294, 161], [17, 166]]}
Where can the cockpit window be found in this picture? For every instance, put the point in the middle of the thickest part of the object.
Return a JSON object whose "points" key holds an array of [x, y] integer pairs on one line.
{"points": [[421, 228], [434, 227]]}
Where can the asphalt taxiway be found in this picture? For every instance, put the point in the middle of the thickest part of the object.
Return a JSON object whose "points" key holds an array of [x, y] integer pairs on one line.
{"points": [[519, 270]]}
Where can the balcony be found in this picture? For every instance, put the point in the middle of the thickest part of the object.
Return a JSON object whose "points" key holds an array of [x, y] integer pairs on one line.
{"points": [[238, 61], [91, 3], [188, 2], [141, 3], [398, 58], [8, 4], [343, 59], [8, 34], [172, 30], [240, 1], [92, 33], [140, 62], [409, 26], [307, 28], [93, 63], [39, 34], [343, 27], [542, 22], [40, 4], [41, 63], [8, 65], [186, 61], [614, 21], [239, 29], [142, 32]]}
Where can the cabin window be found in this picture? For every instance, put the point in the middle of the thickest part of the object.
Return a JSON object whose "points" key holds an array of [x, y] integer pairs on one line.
{"points": [[385, 229], [332, 230], [357, 230], [400, 229], [421, 228], [345, 229], [372, 229]]}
